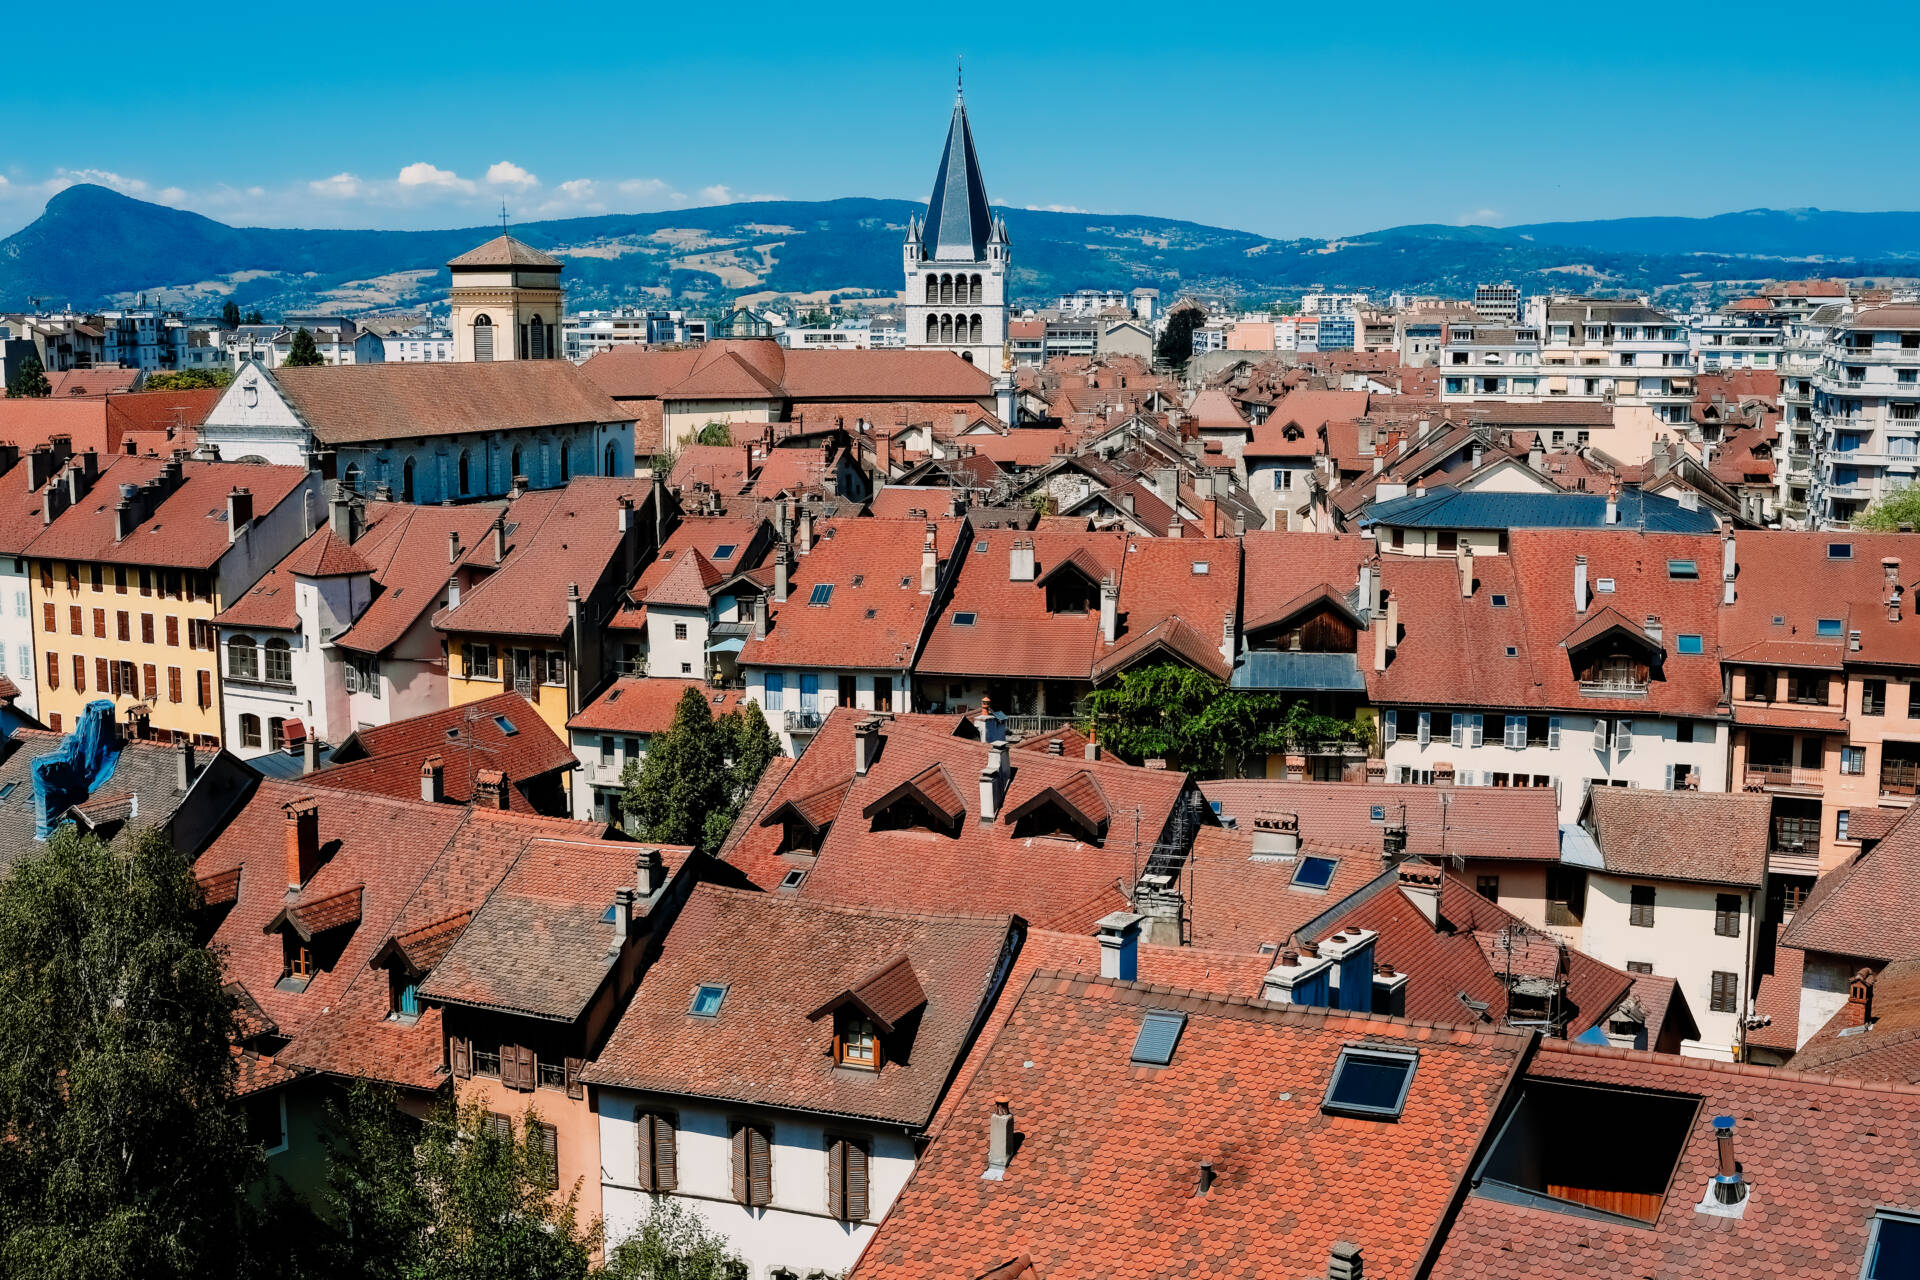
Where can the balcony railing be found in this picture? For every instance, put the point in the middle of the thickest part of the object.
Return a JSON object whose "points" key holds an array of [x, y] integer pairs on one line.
{"points": [[1785, 775], [1878, 354], [1613, 688], [803, 721]]}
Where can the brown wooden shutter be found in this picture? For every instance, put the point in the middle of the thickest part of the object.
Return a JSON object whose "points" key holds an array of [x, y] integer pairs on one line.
{"points": [[525, 1055], [856, 1182], [760, 1165], [550, 1148], [501, 1125], [836, 1178], [575, 1087], [151, 676], [646, 1168], [666, 1160], [740, 1183], [460, 1050]]}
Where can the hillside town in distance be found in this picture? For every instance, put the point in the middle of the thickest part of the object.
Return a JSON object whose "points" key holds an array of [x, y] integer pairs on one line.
{"points": [[1386, 787]]}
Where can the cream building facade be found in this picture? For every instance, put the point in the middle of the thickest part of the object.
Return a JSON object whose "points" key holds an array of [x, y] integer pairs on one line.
{"points": [[506, 303]]}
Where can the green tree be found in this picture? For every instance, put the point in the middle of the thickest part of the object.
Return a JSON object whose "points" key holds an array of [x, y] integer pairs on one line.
{"points": [[303, 354], [230, 314], [254, 317], [188, 379], [1901, 507], [674, 1243], [697, 774], [1188, 718], [1176, 343], [715, 433], [122, 1149], [29, 380], [456, 1197]]}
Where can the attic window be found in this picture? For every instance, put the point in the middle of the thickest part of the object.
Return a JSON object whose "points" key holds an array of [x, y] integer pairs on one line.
{"points": [[7, 790], [1370, 1082], [1532, 1163], [506, 726], [1314, 873], [724, 551], [1497, 601], [1159, 1032], [1683, 569], [905, 583], [979, 546], [1893, 1248], [1605, 585], [872, 614], [822, 593], [1202, 567], [792, 879], [611, 914], [1827, 627], [1513, 651], [453, 734], [1839, 551], [706, 1000], [964, 619], [1377, 813]]}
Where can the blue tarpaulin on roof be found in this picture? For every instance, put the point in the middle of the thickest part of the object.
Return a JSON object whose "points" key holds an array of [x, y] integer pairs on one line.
{"points": [[85, 759], [1592, 1035], [732, 644]]}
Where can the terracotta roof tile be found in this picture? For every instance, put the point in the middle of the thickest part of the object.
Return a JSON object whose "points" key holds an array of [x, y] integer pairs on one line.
{"points": [[387, 759], [186, 529], [347, 404], [1868, 907], [1682, 835]]}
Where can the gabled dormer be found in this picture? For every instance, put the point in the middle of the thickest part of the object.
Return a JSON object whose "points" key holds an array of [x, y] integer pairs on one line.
{"points": [[874, 1018], [928, 801], [1073, 809], [1612, 655], [804, 821], [1072, 583], [314, 927], [409, 957], [1318, 620]]}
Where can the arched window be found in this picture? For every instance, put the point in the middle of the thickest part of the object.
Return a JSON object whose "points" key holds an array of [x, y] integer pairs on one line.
{"points": [[352, 481], [976, 288], [465, 488], [946, 329], [978, 330], [933, 289], [537, 331], [243, 658], [406, 481], [613, 458], [933, 329], [946, 288], [566, 461], [482, 339], [514, 470], [277, 733], [249, 730], [279, 661]]}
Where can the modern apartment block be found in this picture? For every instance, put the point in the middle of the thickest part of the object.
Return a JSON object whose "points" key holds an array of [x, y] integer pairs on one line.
{"points": [[1866, 409], [1499, 303]]}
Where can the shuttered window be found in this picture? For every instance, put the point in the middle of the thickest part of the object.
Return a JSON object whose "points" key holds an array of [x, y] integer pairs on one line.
{"points": [[482, 338], [1726, 992], [151, 678], [516, 1067], [658, 1160], [846, 1179], [100, 677], [173, 684], [1640, 909], [53, 671], [752, 1165], [550, 1150], [570, 1071], [460, 1055], [1726, 915], [501, 1126]]}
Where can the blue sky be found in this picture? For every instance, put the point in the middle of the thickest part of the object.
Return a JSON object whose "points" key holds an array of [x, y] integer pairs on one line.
{"points": [[1283, 119]]}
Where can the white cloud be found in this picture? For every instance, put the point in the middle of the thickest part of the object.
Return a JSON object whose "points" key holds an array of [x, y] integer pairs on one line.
{"points": [[721, 193], [420, 174], [1054, 208], [508, 174], [341, 186], [64, 178], [1480, 218]]}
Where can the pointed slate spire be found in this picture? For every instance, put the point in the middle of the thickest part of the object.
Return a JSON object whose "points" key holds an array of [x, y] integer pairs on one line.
{"points": [[958, 220]]}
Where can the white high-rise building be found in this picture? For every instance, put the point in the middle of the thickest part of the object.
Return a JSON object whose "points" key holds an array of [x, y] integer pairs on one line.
{"points": [[956, 265]]}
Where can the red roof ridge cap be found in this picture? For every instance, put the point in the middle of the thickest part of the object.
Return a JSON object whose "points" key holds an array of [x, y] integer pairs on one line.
{"points": [[1787, 1074]]}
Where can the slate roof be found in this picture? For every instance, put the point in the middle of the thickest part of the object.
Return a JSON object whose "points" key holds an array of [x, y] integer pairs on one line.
{"points": [[539, 944], [958, 222], [505, 251], [359, 403], [140, 788], [1102, 1181], [1703, 836], [1446, 507], [763, 1047], [1820, 1155]]}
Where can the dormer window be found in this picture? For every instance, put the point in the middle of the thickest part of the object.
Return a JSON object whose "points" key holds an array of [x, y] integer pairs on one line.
{"points": [[298, 971], [405, 990], [855, 1042]]}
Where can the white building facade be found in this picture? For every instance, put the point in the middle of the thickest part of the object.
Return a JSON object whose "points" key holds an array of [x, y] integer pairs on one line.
{"points": [[1866, 410]]}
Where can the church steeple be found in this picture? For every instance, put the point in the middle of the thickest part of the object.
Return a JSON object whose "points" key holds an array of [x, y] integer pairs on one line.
{"points": [[959, 222]]}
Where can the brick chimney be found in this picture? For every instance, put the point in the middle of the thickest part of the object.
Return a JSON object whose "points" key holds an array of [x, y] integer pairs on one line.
{"points": [[433, 779], [1890, 567], [1860, 997], [1420, 881], [490, 789], [302, 841], [239, 512]]}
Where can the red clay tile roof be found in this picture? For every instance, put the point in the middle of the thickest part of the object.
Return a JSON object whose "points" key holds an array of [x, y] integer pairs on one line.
{"points": [[165, 412], [699, 537], [1239, 903], [422, 948], [850, 376], [540, 944], [762, 1046], [1474, 822], [1703, 836], [1796, 578], [1288, 1175], [1012, 633], [887, 994], [1286, 570], [186, 530], [569, 535], [103, 380], [346, 404], [1883, 1045], [311, 916], [645, 704], [387, 759], [1776, 999], [1869, 907], [875, 613], [1820, 1155], [31, 421]]}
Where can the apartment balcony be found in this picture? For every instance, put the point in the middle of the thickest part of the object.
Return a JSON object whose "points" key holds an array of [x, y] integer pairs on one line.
{"points": [[1613, 688], [1785, 777], [1881, 354], [1900, 778], [803, 721]]}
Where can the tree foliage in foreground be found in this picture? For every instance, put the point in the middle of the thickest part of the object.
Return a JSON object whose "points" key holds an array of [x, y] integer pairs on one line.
{"points": [[1191, 720], [29, 380], [1892, 511], [122, 1149], [697, 774]]}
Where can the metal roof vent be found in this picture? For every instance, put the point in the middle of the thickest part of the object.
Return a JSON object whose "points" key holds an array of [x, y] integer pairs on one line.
{"points": [[1726, 1195]]}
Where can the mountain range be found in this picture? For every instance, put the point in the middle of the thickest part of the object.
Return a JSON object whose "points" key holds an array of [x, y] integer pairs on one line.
{"points": [[94, 247]]}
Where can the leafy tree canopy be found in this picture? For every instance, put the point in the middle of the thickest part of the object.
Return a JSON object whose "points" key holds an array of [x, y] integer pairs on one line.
{"points": [[230, 314], [303, 353], [1188, 718], [715, 433], [29, 380], [188, 379], [674, 1244], [1892, 511], [697, 774], [1176, 343], [122, 1149]]}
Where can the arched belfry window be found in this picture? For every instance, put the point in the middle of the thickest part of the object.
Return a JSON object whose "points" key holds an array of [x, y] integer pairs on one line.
{"points": [[933, 289], [482, 340], [978, 332], [946, 288], [946, 329], [406, 482], [976, 288], [537, 338], [933, 327], [465, 481]]}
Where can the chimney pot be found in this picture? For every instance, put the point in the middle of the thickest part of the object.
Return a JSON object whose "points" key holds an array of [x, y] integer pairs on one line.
{"points": [[453, 546], [184, 770], [650, 872], [433, 779], [866, 744], [622, 915], [1344, 1262], [500, 538], [999, 1140], [1206, 1178]]}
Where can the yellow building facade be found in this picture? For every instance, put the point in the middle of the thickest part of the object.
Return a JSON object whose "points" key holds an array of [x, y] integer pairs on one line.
{"points": [[488, 666]]}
